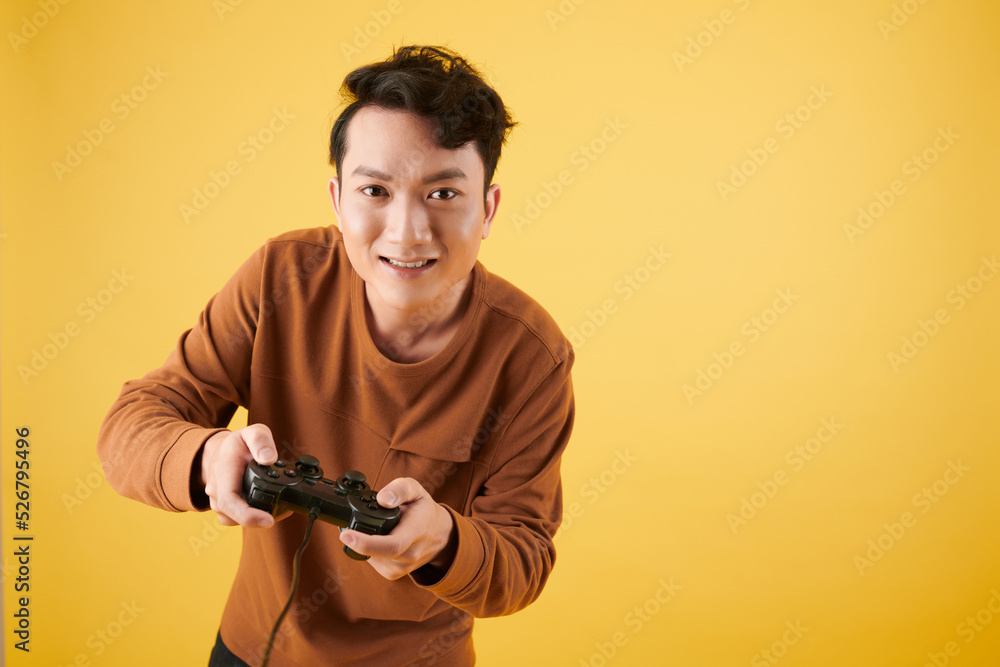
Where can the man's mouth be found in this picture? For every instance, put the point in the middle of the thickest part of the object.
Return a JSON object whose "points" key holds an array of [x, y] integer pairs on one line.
{"points": [[408, 265]]}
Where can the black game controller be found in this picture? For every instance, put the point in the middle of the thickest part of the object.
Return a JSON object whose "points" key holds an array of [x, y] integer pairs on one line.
{"points": [[299, 485]]}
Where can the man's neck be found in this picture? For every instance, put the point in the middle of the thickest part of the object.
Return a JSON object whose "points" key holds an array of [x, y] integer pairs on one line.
{"points": [[409, 336]]}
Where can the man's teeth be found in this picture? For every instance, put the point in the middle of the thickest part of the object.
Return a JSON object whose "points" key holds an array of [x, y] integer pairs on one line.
{"points": [[408, 265]]}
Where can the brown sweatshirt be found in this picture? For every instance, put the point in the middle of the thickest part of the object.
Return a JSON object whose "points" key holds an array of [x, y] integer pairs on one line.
{"points": [[482, 425]]}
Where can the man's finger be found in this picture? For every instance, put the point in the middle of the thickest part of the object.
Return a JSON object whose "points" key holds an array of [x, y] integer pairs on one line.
{"points": [[225, 520], [236, 509], [228, 483], [260, 442], [385, 546], [400, 491]]}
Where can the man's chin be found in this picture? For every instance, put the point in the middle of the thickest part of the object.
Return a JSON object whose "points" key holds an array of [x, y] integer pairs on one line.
{"points": [[401, 298], [426, 303]]}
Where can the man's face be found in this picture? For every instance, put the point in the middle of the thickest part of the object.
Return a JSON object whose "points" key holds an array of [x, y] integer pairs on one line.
{"points": [[411, 212]]}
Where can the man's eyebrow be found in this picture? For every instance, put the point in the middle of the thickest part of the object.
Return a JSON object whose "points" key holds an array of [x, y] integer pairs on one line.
{"points": [[445, 175], [371, 172]]}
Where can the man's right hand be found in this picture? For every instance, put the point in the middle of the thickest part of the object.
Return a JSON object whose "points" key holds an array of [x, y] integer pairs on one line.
{"points": [[223, 462]]}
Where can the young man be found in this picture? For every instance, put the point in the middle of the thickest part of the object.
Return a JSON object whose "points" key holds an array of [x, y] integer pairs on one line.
{"points": [[383, 346]]}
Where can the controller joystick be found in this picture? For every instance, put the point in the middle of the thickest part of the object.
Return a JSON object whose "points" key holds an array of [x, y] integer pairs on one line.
{"points": [[308, 466], [352, 481], [298, 485]]}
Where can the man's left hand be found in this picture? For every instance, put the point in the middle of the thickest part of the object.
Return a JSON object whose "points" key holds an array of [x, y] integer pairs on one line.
{"points": [[425, 534]]}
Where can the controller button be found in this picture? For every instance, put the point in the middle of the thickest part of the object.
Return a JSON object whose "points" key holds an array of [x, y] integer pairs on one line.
{"points": [[328, 481], [291, 473], [273, 473], [279, 464], [310, 461], [372, 506]]}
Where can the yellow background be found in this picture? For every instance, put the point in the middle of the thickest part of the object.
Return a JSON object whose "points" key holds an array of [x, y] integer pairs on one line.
{"points": [[670, 468]]}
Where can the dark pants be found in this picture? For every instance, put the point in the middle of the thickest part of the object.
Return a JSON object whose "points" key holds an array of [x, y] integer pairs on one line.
{"points": [[222, 656]]}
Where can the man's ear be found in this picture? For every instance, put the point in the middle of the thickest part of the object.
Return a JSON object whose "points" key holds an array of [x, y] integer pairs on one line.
{"points": [[492, 204], [334, 188]]}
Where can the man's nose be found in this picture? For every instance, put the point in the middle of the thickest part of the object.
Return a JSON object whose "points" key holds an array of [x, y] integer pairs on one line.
{"points": [[407, 223]]}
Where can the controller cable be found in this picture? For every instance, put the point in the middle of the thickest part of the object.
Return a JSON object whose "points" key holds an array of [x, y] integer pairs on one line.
{"points": [[314, 513]]}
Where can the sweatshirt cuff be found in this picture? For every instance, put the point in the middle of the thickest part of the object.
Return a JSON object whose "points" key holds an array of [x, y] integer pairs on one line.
{"points": [[470, 558], [178, 477]]}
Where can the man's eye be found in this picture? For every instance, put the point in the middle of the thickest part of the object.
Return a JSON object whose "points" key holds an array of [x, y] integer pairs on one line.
{"points": [[373, 190], [444, 193]]}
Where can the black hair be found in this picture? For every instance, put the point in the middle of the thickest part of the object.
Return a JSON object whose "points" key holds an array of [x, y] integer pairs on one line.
{"points": [[432, 82]]}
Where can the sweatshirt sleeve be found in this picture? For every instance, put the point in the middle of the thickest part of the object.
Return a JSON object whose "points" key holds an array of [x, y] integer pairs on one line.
{"points": [[505, 550], [153, 433]]}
